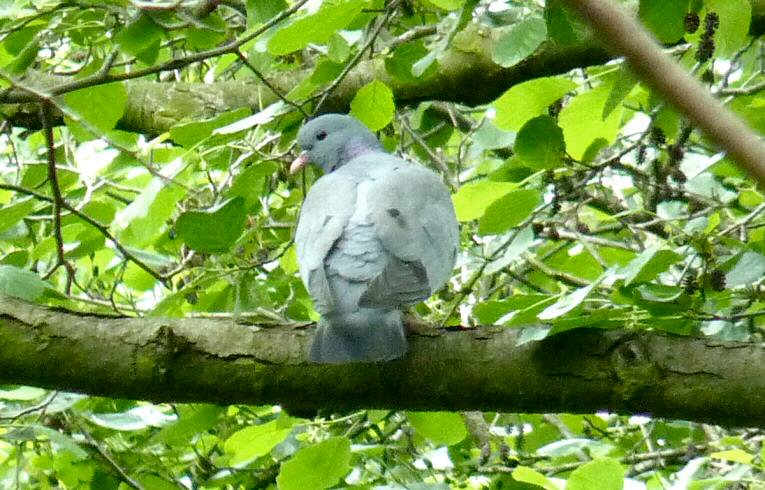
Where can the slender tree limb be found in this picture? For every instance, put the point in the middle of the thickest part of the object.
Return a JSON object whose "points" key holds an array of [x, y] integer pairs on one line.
{"points": [[220, 361], [618, 30]]}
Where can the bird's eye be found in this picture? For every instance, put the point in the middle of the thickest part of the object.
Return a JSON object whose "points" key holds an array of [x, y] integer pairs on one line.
{"points": [[321, 135]]}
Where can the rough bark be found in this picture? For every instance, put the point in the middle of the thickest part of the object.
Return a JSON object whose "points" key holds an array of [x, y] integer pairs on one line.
{"points": [[221, 361]]}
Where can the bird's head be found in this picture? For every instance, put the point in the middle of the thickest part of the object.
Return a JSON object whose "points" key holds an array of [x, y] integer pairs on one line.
{"points": [[332, 140]]}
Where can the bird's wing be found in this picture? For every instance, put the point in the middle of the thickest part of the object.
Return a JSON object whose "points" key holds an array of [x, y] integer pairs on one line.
{"points": [[323, 217], [414, 218]]}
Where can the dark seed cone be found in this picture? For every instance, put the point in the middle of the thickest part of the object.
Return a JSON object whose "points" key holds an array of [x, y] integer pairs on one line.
{"points": [[691, 22]]}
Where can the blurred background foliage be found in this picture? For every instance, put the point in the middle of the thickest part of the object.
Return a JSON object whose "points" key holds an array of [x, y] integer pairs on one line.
{"points": [[584, 202]]}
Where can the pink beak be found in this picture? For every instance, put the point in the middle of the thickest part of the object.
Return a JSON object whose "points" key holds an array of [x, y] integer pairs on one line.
{"points": [[299, 163]]}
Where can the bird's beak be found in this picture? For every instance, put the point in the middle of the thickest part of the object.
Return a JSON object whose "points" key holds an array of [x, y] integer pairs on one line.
{"points": [[299, 163]]}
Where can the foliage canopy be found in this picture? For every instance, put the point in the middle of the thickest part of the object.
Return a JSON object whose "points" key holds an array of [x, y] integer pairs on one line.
{"points": [[144, 173]]}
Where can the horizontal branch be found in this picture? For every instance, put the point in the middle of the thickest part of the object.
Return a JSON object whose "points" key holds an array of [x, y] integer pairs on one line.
{"points": [[223, 362]]}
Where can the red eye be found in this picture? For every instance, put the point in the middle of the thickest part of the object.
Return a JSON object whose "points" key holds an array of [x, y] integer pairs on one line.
{"points": [[321, 135]]}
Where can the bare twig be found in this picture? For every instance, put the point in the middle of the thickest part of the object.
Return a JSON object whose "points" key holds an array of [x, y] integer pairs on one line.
{"points": [[58, 200]]}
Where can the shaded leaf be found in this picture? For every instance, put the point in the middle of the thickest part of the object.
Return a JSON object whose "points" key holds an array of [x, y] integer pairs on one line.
{"points": [[215, 229]]}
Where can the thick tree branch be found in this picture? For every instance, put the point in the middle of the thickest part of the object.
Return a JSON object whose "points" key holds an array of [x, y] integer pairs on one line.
{"points": [[220, 361]]}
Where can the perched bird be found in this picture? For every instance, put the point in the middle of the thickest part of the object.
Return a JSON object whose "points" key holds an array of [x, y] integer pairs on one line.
{"points": [[376, 233]]}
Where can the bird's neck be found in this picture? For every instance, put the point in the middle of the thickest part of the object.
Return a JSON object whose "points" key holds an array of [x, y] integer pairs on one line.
{"points": [[354, 148]]}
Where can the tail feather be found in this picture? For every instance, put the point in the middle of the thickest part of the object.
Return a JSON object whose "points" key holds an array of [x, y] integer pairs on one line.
{"points": [[364, 336]]}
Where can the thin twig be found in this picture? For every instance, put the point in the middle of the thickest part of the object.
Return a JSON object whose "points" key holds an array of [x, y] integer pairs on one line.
{"points": [[101, 228], [58, 200], [268, 84]]}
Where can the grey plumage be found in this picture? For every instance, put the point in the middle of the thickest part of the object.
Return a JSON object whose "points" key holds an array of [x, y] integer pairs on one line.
{"points": [[376, 233]]}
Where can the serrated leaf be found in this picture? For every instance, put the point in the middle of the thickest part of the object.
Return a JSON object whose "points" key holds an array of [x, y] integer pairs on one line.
{"points": [[735, 17], [582, 123], [193, 420], [373, 105], [447, 4], [749, 268], [100, 107], [62, 440], [528, 99], [664, 18], [10, 214], [650, 263], [734, 455], [517, 43], [400, 64], [265, 116], [315, 28], [25, 58], [440, 427], [472, 199], [317, 467], [508, 211], [215, 229], [22, 284], [250, 443], [527, 475], [567, 303], [603, 474], [563, 25], [140, 38], [540, 144], [191, 133]]}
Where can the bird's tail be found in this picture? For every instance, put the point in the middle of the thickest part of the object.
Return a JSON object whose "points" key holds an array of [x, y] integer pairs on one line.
{"points": [[367, 335]]}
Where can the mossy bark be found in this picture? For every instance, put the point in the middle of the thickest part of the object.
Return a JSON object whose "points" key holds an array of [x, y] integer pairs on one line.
{"points": [[223, 362]]}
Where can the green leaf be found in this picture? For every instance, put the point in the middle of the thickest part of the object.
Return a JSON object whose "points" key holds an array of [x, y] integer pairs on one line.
{"points": [[517, 43], [603, 474], [528, 99], [525, 474], [25, 58], [316, 467], [141, 38], [189, 134], [509, 211], [622, 87], [193, 420], [250, 443], [440, 427], [135, 419], [316, 28], [582, 124], [22, 393], [563, 25], [749, 268], [259, 11], [401, 62], [373, 105], [62, 440], [567, 303], [735, 17], [22, 284], [472, 199], [142, 221], [664, 18], [213, 230], [100, 106], [447, 4], [540, 143], [10, 214], [734, 455], [649, 264]]}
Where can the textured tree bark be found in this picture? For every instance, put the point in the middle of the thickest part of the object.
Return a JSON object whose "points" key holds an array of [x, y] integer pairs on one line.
{"points": [[220, 361]]}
